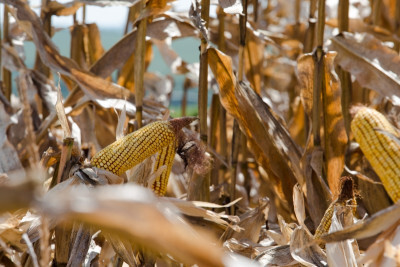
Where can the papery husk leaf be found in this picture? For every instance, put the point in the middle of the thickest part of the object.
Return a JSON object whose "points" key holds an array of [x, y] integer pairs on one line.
{"points": [[303, 251], [375, 224], [269, 141], [134, 212], [374, 65]]}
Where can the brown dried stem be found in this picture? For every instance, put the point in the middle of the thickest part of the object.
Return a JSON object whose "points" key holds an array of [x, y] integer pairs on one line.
{"points": [[140, 65]]}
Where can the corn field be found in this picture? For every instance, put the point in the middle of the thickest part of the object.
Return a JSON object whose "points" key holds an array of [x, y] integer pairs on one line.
{"points": [[291, 156]]}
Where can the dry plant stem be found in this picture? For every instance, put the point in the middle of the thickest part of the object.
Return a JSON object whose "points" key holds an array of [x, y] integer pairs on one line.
{"points": [[344, 76], [44, 241], [221, 29], [68, 144], [203, 182], [309, 38], [321, 23], [318, 57], [5, 73], [140, 66], [46, 20], [215, 109], [255, 10], [33, 150], [376, 11], [234, 161], [397, 25]]}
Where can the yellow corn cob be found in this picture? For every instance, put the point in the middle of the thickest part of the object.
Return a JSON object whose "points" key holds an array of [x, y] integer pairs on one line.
{"points": [[164, 158], [381, 151], [346, 195], [326, 221], [127, 152]]}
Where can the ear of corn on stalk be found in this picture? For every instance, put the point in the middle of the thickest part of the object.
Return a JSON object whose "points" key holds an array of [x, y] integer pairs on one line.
{"points": [[132, 149], [346, 196], [164, 158], [382, 152]]}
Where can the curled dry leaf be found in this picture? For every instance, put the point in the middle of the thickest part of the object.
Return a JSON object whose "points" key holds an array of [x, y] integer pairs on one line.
{"points": [[304, 251], [374, 65], [269, 140], [251, 223], [134, 212]]}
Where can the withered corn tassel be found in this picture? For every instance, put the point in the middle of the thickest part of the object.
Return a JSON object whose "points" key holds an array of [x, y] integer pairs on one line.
{"points": [[381, 151], [132, 149]]}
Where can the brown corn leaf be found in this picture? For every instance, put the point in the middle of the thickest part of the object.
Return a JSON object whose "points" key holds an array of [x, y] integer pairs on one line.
{"points": [[334, 131], [58, 9], [276, 256], [374, 65], [335, 137], [251, 223], [9, 160], [303, 251], [270, 142], [134, 212]]}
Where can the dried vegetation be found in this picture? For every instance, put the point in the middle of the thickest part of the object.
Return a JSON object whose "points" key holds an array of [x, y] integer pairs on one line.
{"points": [[270, 174]]}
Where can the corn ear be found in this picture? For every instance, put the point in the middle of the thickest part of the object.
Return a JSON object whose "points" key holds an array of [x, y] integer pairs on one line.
{"points": [[164, 158], [382, 152], [132, 149], [326, 221]]}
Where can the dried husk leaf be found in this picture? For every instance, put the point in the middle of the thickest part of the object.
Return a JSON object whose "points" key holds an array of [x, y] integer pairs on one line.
{"points": [[341, 253], [251, 223], [377, 223], [303, 251], [134, 212], [269, 141], [374, 65]]}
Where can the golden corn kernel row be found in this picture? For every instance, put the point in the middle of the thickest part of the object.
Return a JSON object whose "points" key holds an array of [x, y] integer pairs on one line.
{"points": [[135, 147], [326, 221], [164, 158], [382, 152]]}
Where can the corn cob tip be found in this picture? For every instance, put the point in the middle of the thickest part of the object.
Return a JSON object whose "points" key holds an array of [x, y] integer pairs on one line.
{"points": [[346, 189], [179, 123]]}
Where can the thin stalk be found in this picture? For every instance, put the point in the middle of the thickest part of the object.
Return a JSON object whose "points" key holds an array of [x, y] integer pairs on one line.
{"points": [[5, 73], [203, 182], [66, 151], [234, 162], [397, 25], [321, 23], [310, 34], [344, 76], [319, 72], [221, 29], [214, 119], [376, 11], [203, 76], [46, 20], [83, 14], [255, 10], [140, 66]]}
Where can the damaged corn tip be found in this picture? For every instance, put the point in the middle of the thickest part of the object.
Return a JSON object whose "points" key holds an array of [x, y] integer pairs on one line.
{"points": [[129, 151], [164, 158], [381, 151]]}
